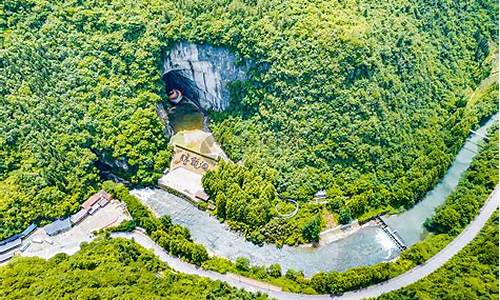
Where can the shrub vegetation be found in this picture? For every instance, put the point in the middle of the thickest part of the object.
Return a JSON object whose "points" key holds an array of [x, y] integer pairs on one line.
{"points": [[366, 99], [108, 269]]}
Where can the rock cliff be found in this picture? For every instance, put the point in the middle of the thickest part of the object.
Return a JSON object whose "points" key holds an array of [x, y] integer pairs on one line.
{"points": [[202, 73]]}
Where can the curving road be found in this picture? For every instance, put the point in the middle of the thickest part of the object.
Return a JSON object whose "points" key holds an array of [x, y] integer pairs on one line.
{"points": [[403, 280]]}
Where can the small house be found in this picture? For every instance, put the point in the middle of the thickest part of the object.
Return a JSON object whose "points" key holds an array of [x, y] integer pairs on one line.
{"points": [[28, 230], [102, 195], [80, 215], [58, 226]]}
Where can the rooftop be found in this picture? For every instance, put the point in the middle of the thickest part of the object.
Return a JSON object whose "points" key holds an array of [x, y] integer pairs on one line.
{"points": [[79, 216], [10, 245], [58, 226], [102, 194]]}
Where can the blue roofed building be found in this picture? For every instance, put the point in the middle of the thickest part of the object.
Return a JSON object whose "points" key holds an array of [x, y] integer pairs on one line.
{"points": [[28, 230], [10, 245], [10, 239]]}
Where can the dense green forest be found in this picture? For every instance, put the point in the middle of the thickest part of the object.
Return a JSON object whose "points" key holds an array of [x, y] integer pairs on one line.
{"points": [[464, 204], [108, 269], [79, 80], [473, 189], [93, 271], [247, 198], [372, 109], [471, 274], [108, 258], [365, 99], [376, 123]]}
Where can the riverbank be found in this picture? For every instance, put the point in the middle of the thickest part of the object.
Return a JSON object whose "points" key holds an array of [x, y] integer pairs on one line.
{"points": [[409, 277], [409, 224], [336, 233], [375, 290], [341, 249], [368, 246], [491, 204]]}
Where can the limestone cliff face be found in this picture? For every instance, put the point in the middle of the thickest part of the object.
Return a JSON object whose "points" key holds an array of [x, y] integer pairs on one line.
{"points": [[163, 115], [202, 72]]}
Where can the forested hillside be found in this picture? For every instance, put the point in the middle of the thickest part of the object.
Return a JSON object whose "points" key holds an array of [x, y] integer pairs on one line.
{"points": [[373, 107], [363, 98], [471, 274], [476, 184], [80, 80], [459, 209], [108, 269]]}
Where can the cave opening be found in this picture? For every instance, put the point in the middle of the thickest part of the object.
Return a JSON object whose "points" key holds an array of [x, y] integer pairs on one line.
{"points": [[176, 80], [188, 113]]}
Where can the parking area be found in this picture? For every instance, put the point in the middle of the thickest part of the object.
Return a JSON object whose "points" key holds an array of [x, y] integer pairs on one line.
{"points": [[42, 245]]}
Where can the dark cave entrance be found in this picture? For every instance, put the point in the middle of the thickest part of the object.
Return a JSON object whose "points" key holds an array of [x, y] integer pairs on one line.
{"points": [[175, 79], [188, 113], [107, 171]]}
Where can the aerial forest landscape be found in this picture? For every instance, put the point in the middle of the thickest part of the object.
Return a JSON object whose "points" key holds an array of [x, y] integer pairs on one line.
{"points": [[249, 149]]}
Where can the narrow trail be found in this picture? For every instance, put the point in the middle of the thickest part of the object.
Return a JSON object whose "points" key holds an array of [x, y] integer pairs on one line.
{"points": [[412, 276]]}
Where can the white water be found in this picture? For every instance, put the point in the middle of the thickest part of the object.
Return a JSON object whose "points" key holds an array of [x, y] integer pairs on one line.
{"points": [[357, 249], [367, 246]]}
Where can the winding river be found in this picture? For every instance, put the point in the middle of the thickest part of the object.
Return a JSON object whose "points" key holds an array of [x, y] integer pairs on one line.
{"points": [[366, 246], [409, 223]]}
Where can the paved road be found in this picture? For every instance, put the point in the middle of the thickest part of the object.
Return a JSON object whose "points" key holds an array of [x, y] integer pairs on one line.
{"points": [[403, 280]]}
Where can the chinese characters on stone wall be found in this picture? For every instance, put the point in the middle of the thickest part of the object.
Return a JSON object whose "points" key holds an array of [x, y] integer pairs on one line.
{"points": [[193, 161]]}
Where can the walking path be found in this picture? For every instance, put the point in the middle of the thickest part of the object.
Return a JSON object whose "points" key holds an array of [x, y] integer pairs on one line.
{"points": [[252, 285], [412, 276]]}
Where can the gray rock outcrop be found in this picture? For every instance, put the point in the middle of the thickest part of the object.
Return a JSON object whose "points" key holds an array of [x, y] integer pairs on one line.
{"points": [[163, 115], [202, 73]]}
